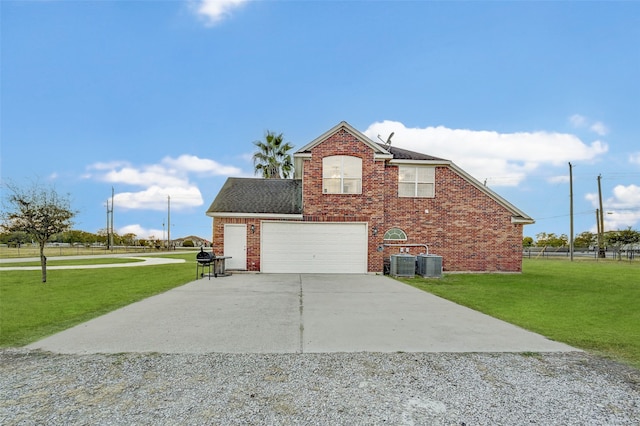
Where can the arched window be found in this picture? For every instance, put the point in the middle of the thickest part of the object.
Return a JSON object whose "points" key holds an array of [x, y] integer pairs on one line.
{"points": [[395, 234], [341, 174]]}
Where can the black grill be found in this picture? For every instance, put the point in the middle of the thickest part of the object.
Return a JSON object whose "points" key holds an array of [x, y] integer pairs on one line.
{"points": [[204, 260]]}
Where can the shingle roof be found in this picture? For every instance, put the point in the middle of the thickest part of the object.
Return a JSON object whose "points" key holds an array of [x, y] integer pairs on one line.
{"points": [[254, 195], [404, 154]]}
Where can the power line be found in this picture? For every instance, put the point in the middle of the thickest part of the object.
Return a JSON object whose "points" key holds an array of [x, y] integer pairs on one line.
{"points": [[566, 215]]}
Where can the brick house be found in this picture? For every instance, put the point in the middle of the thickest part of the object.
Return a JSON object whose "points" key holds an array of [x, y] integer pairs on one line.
{"points": [[354, 202]]}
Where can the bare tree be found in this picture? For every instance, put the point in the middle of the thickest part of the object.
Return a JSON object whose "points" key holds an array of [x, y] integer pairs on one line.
{"points": [[37, 210]]}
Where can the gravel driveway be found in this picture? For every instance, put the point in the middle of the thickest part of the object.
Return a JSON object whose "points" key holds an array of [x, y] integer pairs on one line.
{"points": [[571, 388]]}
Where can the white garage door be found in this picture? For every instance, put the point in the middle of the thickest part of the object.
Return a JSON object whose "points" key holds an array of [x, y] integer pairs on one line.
{"points": [[314, 247]]}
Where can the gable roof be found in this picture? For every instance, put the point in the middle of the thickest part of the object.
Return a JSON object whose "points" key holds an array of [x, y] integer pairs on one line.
{"points": [[378, 149], [246, 197], [381, 151], [249, 196]]}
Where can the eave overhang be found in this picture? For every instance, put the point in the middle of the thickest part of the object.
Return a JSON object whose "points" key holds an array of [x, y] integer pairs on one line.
{"points": [[517, 220], [399, 162], [256, 215]]}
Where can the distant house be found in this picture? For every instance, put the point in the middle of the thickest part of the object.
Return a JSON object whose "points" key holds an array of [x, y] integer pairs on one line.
{"points": [[354, 202], [197, 241]]}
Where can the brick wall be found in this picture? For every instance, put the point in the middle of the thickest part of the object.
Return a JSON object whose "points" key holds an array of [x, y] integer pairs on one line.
{"points": [[253, 239], [364, 207], [466, 227], [470, 230]]}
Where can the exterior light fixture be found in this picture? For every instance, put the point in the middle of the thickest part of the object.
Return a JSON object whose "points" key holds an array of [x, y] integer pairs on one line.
{"points": [[374, 231], [253, 229]]}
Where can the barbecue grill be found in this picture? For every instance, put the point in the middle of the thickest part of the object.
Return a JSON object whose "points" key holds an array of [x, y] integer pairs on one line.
{"points": [[204, 261]]}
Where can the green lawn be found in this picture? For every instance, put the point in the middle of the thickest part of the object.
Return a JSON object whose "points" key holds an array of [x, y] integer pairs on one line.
{"points": [[69, 262], [29, 250], [590, 305], [31, 310]]}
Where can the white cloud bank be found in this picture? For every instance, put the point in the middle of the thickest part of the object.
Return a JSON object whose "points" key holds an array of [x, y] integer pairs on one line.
{"points": [[214, 11], [169, 178], [504, 159], [622, 209]]}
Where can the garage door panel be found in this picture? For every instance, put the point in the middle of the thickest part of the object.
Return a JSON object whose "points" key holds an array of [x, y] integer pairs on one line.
{"points": [[303, 247]]}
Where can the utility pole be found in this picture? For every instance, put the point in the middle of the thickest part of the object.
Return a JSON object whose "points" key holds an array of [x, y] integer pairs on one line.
{"points": [[111, 233], [108, 224], [601, 252], [598, 230], [571, 210], [169, 222]]}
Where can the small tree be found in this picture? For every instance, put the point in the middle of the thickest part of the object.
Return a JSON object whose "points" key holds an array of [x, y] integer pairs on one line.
{"points": [[620, 238], [129, 238], [38, 211], [585, 239], [272, 159], [551, 240]]}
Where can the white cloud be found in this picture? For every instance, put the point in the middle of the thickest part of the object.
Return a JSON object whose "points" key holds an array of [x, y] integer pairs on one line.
{"points": [[558, 179], [157, 198], [150, 175], [108, 166], [578, 120], [140, 232], [599, 128], [505, 159], [169, 178], [634, 158], [191, 163], [581, 122], [622, 209], [214, 11]]}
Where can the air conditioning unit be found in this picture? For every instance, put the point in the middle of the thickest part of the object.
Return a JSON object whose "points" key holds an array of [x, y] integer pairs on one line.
{"points": [[403, 265], [429, 266]]}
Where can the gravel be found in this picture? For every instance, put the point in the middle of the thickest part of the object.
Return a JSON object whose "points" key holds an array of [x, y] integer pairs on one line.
{"points": [[572, 388]]}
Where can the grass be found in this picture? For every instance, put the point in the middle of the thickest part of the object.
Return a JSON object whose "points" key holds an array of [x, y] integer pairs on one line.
{"points": [[29, 250], [589, 305], [31, 310], [74, 262]]}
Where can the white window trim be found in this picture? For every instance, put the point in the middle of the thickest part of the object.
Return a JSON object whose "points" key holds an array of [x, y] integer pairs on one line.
{"points": [[342, 177], [416, 182]]}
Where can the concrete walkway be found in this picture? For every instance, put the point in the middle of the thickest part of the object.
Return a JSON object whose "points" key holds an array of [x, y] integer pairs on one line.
{"points": [[144, 261], [290, 313]]}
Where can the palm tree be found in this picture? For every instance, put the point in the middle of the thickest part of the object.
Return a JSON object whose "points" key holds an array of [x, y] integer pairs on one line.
{"points": [[272, 159]]}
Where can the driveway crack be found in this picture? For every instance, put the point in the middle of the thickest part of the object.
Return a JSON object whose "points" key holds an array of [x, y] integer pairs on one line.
{"points": [[301, 345]]}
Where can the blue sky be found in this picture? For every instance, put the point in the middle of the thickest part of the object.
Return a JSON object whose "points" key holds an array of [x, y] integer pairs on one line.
{"points": [[164, 98]]}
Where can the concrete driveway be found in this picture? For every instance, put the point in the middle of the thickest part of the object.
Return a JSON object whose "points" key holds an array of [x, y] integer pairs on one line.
{"points": [[290, 313]]}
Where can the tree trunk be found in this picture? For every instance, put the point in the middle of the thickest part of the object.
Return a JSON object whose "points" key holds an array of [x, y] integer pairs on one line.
{"points": [[43, 263]]}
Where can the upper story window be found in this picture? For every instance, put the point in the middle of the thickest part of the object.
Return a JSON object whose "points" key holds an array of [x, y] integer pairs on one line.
{"points": [[341, 174], [416, 181]]}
